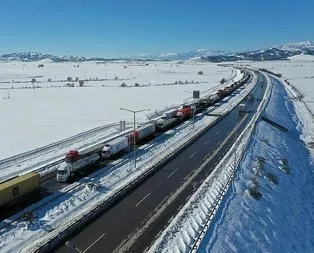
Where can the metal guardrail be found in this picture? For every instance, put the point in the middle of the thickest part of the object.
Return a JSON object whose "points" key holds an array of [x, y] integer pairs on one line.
{"points": [[13, 159], [60, 160]]}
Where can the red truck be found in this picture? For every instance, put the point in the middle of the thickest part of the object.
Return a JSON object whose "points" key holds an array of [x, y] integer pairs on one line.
{"points": [[184, 112]]}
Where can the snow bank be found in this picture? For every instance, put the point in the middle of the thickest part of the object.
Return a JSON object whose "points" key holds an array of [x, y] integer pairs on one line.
{"points": [[282, 220], [186, 230]]}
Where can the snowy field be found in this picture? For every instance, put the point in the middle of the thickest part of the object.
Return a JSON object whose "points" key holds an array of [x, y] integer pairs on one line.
{"points": [[299, 71], [31, 118]]}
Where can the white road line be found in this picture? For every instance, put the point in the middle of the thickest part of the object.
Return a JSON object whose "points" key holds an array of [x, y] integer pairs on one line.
{"points": [[142, 200], [173, 172], [217, 133], [210, 156], [161, 202], [192, 155], [207, 141], [187, 175], [94, 242]]}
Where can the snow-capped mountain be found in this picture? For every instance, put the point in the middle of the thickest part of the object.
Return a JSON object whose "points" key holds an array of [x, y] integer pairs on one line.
{"points": [[298, 46], [268, 54], [183, 55], [281, 52], [36, 56]]}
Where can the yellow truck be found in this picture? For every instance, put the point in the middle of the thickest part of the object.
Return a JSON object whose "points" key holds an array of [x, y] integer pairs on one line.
{"points": [[15, 189]]}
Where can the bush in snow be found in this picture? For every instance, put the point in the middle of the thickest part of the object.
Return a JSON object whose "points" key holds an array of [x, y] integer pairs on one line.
{"points": [[29, 216], [200, 72], [253, 191], [272, 178]]}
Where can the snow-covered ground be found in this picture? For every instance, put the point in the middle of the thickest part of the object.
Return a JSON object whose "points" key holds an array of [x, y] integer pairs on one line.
{"points": [[33, 118], [282, 220], [80, 197], [299, 71]]}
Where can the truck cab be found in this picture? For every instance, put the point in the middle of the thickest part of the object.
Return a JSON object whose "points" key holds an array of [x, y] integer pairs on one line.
{"points": [[106, 152], [63, 172]]}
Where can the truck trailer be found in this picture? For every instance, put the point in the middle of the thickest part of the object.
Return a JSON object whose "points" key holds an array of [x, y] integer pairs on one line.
{"points": [[114, 147], [15, 189], [163, 124], [142, 133]]}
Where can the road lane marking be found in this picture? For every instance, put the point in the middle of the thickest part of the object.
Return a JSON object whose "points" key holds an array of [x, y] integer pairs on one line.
{"points": [[142, 200], [192, 155], [187, 175], [173, 172], [161, 202], [217, 133], [94, 242], [129, 241], [210, 156], [207, 141]]}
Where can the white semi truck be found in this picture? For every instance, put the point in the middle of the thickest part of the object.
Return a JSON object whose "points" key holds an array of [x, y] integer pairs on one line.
{"points": [[166, 120], [76, 161], [115, 146]]}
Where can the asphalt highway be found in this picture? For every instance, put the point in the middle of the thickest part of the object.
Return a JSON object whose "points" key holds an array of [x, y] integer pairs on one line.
{"points": [[132, 224]]}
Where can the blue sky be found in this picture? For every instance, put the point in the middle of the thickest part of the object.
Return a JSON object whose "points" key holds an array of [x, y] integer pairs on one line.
{"points": [[115, 28]]}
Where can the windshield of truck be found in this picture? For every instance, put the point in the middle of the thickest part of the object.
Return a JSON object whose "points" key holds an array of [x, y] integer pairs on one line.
{"points": [[106, 152], [61, 172]]}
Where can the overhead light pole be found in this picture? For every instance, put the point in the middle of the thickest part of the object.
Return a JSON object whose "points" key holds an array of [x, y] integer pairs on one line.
{"points": [[134, 139]]}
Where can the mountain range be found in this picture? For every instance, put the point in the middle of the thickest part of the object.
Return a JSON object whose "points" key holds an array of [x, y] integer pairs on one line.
{"points": [[281, 52]]}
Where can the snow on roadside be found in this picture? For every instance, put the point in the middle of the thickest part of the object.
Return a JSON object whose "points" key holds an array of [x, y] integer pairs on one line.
{"points": [[282, 219], [198, 212], [304, 114]]}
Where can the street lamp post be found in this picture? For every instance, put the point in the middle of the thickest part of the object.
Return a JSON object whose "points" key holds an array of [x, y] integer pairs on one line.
{"points": [[134, 139]]}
